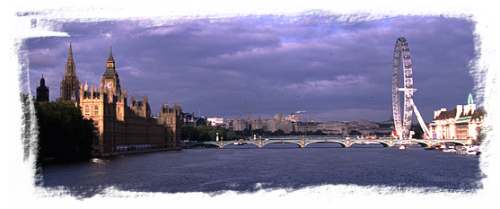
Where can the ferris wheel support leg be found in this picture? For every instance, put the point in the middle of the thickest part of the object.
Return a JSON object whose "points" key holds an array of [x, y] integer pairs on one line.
{"points": [[420, 119]]}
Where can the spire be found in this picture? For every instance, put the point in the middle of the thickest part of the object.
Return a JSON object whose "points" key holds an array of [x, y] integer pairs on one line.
{"points": [[70, 50], [70, 62], [110, 57], [70, 84], [470, 99], [110, 63], [42, 81]]}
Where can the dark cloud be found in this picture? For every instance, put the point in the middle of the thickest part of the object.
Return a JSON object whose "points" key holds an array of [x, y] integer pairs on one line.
{"points": [[261, 65]]}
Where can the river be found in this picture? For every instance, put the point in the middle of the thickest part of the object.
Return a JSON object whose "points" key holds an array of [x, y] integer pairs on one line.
{"points": [[246, 168]]}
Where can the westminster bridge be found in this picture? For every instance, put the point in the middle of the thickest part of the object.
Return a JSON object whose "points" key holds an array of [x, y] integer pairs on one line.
{"points": [[303, 142]]}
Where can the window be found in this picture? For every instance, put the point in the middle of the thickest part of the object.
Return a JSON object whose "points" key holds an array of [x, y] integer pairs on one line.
{"points": [[96, 110]]}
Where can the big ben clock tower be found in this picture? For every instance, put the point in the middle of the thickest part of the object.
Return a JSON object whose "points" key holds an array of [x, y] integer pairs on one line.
{"points": [[110, 80]]}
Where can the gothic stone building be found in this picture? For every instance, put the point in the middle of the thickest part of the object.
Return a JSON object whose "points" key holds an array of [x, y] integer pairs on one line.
{"points": [[70, 84], [120, 127], [172, 118]]}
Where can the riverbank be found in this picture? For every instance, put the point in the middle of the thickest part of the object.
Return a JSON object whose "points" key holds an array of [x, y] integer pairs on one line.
{"points": [[139, 151], [54, 161]]}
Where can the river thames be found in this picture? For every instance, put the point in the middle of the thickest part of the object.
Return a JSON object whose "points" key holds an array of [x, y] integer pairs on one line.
{"points": [[246, 168]]}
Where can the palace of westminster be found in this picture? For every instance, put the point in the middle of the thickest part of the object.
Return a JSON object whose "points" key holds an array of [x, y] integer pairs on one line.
{"points": [[120, 127]]}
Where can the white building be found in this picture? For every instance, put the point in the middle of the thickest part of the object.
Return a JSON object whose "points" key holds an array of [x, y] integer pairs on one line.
{"points": [[463, 122], [215, 121]]}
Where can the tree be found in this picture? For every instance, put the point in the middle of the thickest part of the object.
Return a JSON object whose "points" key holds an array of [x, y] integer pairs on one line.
{"points": [[279, 132], [203, 133], [258, 132], [231, 135], [318, 132], [64, 135], [189, 133], [354, 133]]}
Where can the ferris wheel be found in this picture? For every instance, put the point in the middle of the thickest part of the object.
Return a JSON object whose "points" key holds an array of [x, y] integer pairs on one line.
{"points": [[402, 120]]}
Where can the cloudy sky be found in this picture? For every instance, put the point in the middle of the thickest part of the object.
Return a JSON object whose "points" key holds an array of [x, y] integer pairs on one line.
{"points": [[333, 68]]}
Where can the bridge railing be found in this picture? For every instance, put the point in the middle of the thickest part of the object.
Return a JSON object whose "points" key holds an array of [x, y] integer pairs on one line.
{"points": [[304, 141]]}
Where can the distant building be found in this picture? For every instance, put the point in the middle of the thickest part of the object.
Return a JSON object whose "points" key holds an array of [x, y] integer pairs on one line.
{"points": [[189, 119], [42, 92], [463, 122], [215, 121], [305, 127], [333, 128], [363, 127], [293, 117], [240, 125], [257, 124], [292, 124], [278, 122]]}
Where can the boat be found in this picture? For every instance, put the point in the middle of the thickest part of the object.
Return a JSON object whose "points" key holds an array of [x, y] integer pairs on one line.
{"points": [[97, 160], [472, 150], [432, 147], [402, 147], [449, 150]]}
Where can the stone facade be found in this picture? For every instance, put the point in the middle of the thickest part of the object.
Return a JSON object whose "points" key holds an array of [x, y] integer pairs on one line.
{"points": [[172, 119], [463, 122], [121, 127]]}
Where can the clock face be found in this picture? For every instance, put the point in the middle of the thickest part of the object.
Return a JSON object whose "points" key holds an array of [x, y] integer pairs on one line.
{"points": [[109, 85]]}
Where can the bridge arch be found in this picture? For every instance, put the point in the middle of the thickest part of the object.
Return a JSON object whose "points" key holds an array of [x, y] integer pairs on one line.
{"points": [[455, 142], [326, 142], [264, 144], [206, 144], [242, 143], [377, 143], [385, 144], [423, 144]]}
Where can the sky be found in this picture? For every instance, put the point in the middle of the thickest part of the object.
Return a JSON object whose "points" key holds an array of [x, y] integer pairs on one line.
{"points": [[332, 67]]}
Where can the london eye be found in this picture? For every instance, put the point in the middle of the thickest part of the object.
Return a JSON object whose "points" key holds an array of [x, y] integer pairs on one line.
{"points": [[402, 83]]}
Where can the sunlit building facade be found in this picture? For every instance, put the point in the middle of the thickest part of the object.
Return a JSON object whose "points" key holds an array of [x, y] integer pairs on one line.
{"points": [[463, 122], [120, 127]]}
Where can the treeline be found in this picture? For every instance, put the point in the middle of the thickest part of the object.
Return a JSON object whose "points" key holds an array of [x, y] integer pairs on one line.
{"points": [[63, 134], [209, 133]]}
